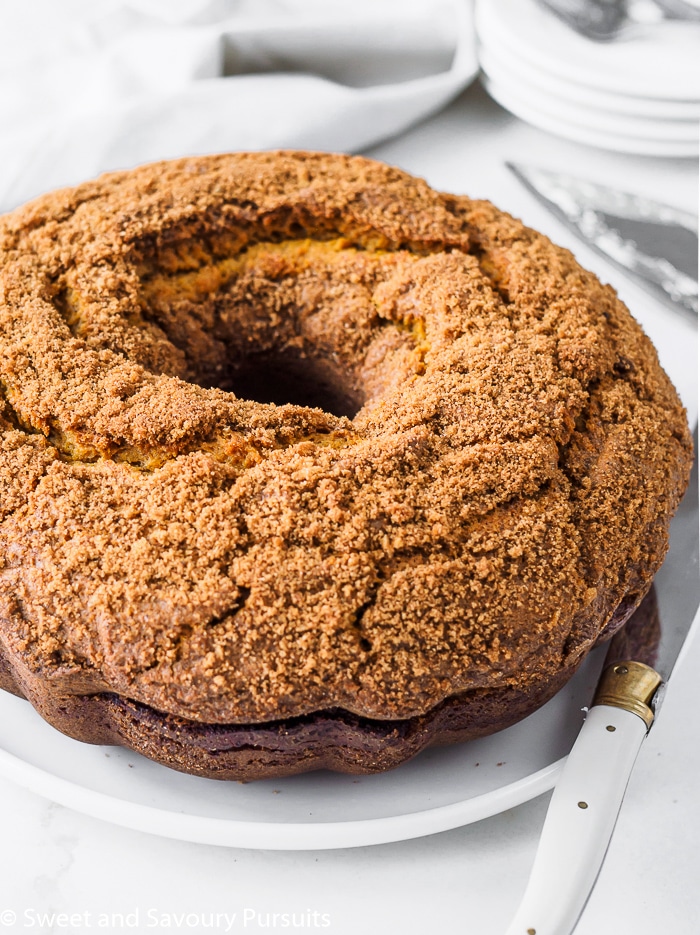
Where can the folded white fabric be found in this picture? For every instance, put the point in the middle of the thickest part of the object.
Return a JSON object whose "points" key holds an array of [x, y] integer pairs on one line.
{"points": [[114, 84]]}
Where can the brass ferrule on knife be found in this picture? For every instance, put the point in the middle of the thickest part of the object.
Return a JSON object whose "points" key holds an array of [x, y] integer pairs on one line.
{"points": [[629, 685]]}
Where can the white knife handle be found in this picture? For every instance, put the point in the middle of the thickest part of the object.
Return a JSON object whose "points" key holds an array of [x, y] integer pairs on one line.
{"points": [[580, 821]]}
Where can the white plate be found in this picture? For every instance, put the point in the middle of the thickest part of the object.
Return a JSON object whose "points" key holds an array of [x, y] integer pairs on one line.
{"points": [[552, 121], [660, 63], [599, 121], [442, 788], [505, 64]]}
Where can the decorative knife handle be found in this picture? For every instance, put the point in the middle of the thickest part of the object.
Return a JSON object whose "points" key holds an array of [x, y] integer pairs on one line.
{"points": [[586, 802]]}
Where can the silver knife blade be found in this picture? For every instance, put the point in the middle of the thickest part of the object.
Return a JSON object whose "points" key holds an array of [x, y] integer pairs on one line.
{"points": [[655, 242]]}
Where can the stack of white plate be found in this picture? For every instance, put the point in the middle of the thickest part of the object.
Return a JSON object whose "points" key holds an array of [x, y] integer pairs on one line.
{"points": [[637, 94]]}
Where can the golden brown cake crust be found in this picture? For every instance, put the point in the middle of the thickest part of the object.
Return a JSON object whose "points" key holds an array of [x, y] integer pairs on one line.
{"points": [[496, 481]]}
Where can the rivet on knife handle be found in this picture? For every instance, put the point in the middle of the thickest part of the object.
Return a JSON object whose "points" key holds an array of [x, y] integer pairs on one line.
{"points": [[629, 685]]}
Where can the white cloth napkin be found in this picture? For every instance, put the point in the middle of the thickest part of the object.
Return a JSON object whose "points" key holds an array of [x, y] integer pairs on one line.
{"points": [[120, 83]]}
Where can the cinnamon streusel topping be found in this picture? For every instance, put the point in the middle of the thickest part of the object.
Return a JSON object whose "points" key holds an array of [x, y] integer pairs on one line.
{"points": [[287, 432]]}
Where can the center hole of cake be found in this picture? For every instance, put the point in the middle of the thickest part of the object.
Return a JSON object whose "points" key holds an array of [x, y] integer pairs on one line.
{"points": [[288, 376]]}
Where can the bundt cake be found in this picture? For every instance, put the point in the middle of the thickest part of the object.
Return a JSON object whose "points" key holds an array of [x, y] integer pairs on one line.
{"points": [[304, 464]]}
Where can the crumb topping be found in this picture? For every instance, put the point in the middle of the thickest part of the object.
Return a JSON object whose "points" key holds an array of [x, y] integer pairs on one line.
{"points": [[287, 432]]}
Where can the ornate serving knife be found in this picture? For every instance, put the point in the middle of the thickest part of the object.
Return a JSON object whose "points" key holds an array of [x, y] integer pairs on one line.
{"points": [[657, 243]]}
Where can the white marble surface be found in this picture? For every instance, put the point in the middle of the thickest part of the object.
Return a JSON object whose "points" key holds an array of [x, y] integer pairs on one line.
{"points": [[62, 871]]}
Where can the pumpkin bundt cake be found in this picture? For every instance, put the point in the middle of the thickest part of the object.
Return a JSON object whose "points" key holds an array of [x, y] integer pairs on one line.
{"points": [[304, 464]]}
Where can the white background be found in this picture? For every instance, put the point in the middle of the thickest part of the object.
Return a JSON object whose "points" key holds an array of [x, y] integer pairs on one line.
{"points": [[464, 881]]}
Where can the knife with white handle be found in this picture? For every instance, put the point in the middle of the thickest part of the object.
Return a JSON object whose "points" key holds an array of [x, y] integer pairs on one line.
{"points": [[581, 817], [588, 795]]}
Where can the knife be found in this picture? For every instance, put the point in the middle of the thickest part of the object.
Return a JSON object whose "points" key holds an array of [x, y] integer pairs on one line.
{"points": [[588, 795], [657, 243]]}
